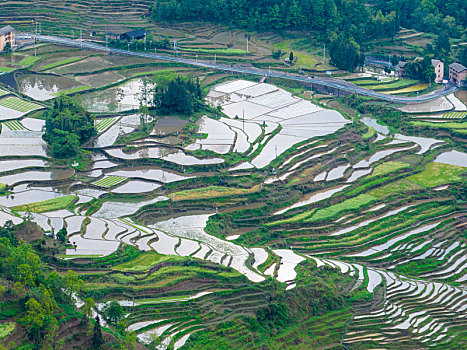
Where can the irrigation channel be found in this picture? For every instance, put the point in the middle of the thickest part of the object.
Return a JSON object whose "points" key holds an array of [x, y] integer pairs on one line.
{"points": [[328, 82]]}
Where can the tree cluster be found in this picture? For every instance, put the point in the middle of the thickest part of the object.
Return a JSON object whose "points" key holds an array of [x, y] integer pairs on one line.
{"points": [[345, 52], [67, 126], [36, 290], [180, 96], [434, 16], [421, 70]]}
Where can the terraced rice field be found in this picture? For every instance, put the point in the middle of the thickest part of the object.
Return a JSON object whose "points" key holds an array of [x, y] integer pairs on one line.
{"points": [[281, 199], [18, 104], [61, 63], [413, 88], [109, 181], [104, 124], [454, 115], [29, 61], [3, 92], [14, 125]]}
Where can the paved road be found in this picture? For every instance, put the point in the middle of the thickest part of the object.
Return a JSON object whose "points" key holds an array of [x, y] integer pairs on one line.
{"points": [[330, 82]]}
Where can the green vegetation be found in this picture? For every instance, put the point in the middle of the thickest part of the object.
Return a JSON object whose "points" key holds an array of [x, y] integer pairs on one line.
{"points": [[28, 61], [18, 104], [72, 90], [5, 69], [110, 181], [453, 126], [47, 205], [14, 125], [220, 51], [61, 63], [369, 134], [395, 188], [436, 174], [348, 204], [144, 262], [421, 70], [181, 96], [210, 192], [104, 123], [3, 92], [389, 167], [454, 115], [6, 329], [67, 126]]}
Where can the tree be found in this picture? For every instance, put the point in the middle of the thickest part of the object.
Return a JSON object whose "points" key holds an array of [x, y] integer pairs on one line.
{"points": [[129, 341], [67, 126], [143, 112], [394, 60], [463, 55], [291, 57], [72, 283], [61, 235], [345, 52], [7, 48], [181, 96], [97, 339], [19, 290], [113, 312], [88, 307], [442, 44]]}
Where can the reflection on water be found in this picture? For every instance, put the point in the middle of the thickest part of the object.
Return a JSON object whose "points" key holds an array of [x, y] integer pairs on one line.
{"points": [[43, 86], [120, 98]]}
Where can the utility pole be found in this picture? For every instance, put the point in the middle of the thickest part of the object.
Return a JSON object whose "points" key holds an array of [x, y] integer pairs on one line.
{"points": [[35, 45], [144, 41], [247, 37], [324, 54]]}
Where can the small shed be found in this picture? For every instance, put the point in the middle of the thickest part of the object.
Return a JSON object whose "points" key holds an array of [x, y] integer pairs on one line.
{"points": [[133, 34]]}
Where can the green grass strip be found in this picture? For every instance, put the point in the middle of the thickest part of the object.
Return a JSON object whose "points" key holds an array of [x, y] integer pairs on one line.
{"points": [[62, 62], [6, 69], [3, 92], [28, 61], [72, 90], [47, 205], [349, 204], [436, 174]]}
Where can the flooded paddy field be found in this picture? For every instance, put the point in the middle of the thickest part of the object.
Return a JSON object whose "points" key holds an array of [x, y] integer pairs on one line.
{"points": [[276, 187], [117, 99], [41, 87]]}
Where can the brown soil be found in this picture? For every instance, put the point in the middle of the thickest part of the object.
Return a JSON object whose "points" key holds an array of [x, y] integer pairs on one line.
{"points": [[29, 232]]}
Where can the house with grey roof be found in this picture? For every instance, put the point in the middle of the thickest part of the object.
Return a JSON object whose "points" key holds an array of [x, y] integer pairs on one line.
{"points": [[458, 74], [7, 35]]}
